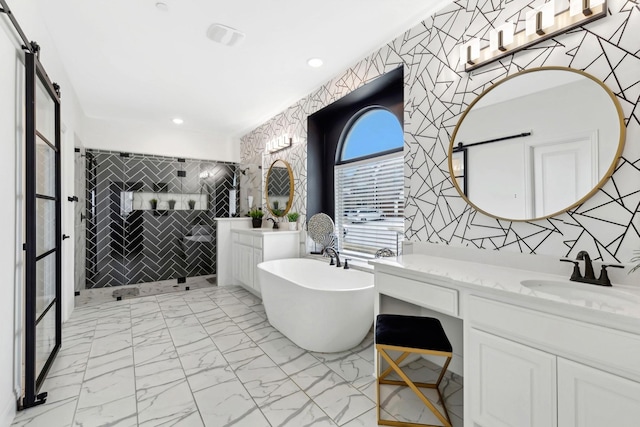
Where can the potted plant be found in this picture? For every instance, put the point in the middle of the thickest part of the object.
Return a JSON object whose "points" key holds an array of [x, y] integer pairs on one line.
{"points": [[172, 203], [293, 220], [256, 217], [154, 204], [192, 204]]}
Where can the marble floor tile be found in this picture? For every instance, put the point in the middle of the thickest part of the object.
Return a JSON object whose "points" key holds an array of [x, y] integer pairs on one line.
{"points": [[339, 399], [186, 321], [263, 332], [119, 412], [288, 356], [53, 413], [368, 419], [169, 403], [249, 320], [229, 404], [236, 310], [209, 357], [201, 306], [232, 338], [354, 369], [295, 410], [63, 387], [108, 387]]}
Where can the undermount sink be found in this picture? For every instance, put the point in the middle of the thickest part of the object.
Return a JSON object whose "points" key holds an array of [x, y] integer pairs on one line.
{"points": [[591, 295]]}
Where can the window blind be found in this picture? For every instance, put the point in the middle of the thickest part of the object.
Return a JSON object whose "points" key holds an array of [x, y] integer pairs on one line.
{"points": [[370, 205]]}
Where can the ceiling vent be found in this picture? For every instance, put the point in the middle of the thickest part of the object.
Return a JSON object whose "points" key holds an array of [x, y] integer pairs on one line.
{"points": [[224, 35]]}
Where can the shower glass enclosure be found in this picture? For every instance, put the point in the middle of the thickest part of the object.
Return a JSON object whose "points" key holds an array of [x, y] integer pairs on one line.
{"points": [[151, 218]]}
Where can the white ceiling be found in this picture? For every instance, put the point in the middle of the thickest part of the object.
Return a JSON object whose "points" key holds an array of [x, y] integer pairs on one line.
{"points": [[129, 60]]}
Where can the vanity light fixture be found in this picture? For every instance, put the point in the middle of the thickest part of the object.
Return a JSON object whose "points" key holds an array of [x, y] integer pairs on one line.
{"points": [[178, 121], [279, 143], [470, 51], [501, 36], [540, 18], [541, 23], [577, 7]]}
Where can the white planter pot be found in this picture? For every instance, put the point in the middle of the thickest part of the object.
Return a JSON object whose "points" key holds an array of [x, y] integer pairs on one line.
{"points": [[293, 226]]}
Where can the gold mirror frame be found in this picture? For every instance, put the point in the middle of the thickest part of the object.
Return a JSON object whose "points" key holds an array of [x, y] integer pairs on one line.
{"points": [[266, 192], [595, 189]]}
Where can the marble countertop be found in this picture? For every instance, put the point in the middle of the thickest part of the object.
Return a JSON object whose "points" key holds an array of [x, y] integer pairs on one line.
{"points": [[622, 301], [263, 231]]}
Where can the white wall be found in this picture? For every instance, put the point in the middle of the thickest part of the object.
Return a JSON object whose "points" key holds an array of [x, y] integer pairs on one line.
{"points": [[11, 160], [148, 138], [8, 219]]}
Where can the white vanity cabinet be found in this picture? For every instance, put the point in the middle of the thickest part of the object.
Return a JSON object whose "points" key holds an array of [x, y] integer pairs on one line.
{"points": [[529, 369], [511, 384], [251, 247], [589, 397], [526, 360]]}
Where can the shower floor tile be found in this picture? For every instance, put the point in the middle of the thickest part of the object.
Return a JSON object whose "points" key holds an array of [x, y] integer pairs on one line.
{"points": [[209, 357]]}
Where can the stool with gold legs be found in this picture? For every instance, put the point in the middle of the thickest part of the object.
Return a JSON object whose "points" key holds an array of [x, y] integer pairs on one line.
{"points": [[408, 335]]}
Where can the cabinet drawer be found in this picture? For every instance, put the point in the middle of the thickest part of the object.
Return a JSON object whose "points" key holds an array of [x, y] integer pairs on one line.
{"points": [[245, 239], [612, 350], [438, 298]]}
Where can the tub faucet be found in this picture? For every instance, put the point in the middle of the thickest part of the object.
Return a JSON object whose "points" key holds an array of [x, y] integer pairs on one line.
{"points": [[335, 253], [275, 223]]}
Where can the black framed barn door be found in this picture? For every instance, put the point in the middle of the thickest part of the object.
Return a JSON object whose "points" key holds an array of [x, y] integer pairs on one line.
{"points": [[43, 311]]}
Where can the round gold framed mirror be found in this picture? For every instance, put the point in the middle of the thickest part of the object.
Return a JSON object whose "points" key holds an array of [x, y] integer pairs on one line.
{"points": [[536, 144], [279, 188]]}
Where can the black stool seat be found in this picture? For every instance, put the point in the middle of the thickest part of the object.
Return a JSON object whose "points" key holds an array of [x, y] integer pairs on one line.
{"points": [[411, 331]]}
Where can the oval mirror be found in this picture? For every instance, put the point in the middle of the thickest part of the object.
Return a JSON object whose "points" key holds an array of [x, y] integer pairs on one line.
{"points": [[279, 187], [536, 144]]}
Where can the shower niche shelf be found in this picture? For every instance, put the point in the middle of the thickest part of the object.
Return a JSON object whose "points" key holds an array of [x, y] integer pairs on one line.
{"points": [[141, 201]]}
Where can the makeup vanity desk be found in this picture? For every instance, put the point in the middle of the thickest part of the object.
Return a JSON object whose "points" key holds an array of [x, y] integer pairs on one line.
{"points": [[529, 358]]}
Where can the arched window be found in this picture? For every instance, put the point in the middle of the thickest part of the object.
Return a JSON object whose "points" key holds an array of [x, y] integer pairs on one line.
{"points": [[369, 180], [371, 132]]}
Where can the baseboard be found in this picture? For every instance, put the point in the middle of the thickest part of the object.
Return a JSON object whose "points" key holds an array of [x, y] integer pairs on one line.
{"points": [[8, 411]]}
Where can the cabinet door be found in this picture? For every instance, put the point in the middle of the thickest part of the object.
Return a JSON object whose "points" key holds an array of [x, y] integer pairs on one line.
{"points": [[246, 265], [257, 259], [512, 385], [235, 263], [588, 397]]}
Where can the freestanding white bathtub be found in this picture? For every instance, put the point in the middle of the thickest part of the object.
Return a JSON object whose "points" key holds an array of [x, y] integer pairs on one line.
{"points": [[317, 306]]}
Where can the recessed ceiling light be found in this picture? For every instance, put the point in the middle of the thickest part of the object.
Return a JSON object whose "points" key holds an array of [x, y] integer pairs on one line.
{"points": [[162, 6], [178, 121], [315, 62]]}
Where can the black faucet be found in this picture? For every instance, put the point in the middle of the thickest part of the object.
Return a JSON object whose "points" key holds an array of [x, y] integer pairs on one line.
{"points": [[275, 223], [589, 276], [337, 256]]}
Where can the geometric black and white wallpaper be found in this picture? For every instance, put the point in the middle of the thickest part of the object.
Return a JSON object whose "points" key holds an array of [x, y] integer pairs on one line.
{"points": [[438, 90], [130, 246]]}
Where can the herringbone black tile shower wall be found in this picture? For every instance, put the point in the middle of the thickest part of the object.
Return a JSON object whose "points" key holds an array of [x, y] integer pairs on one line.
{"points": [[138, 244]]}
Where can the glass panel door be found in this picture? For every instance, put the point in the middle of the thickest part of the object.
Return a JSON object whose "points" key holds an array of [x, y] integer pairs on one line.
{"points": [[43, 315]]}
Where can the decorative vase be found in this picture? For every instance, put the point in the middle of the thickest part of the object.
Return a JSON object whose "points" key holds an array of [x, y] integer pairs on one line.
{"points": [[192, 204], [257, 222], [154, 205], [172, 204]]}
